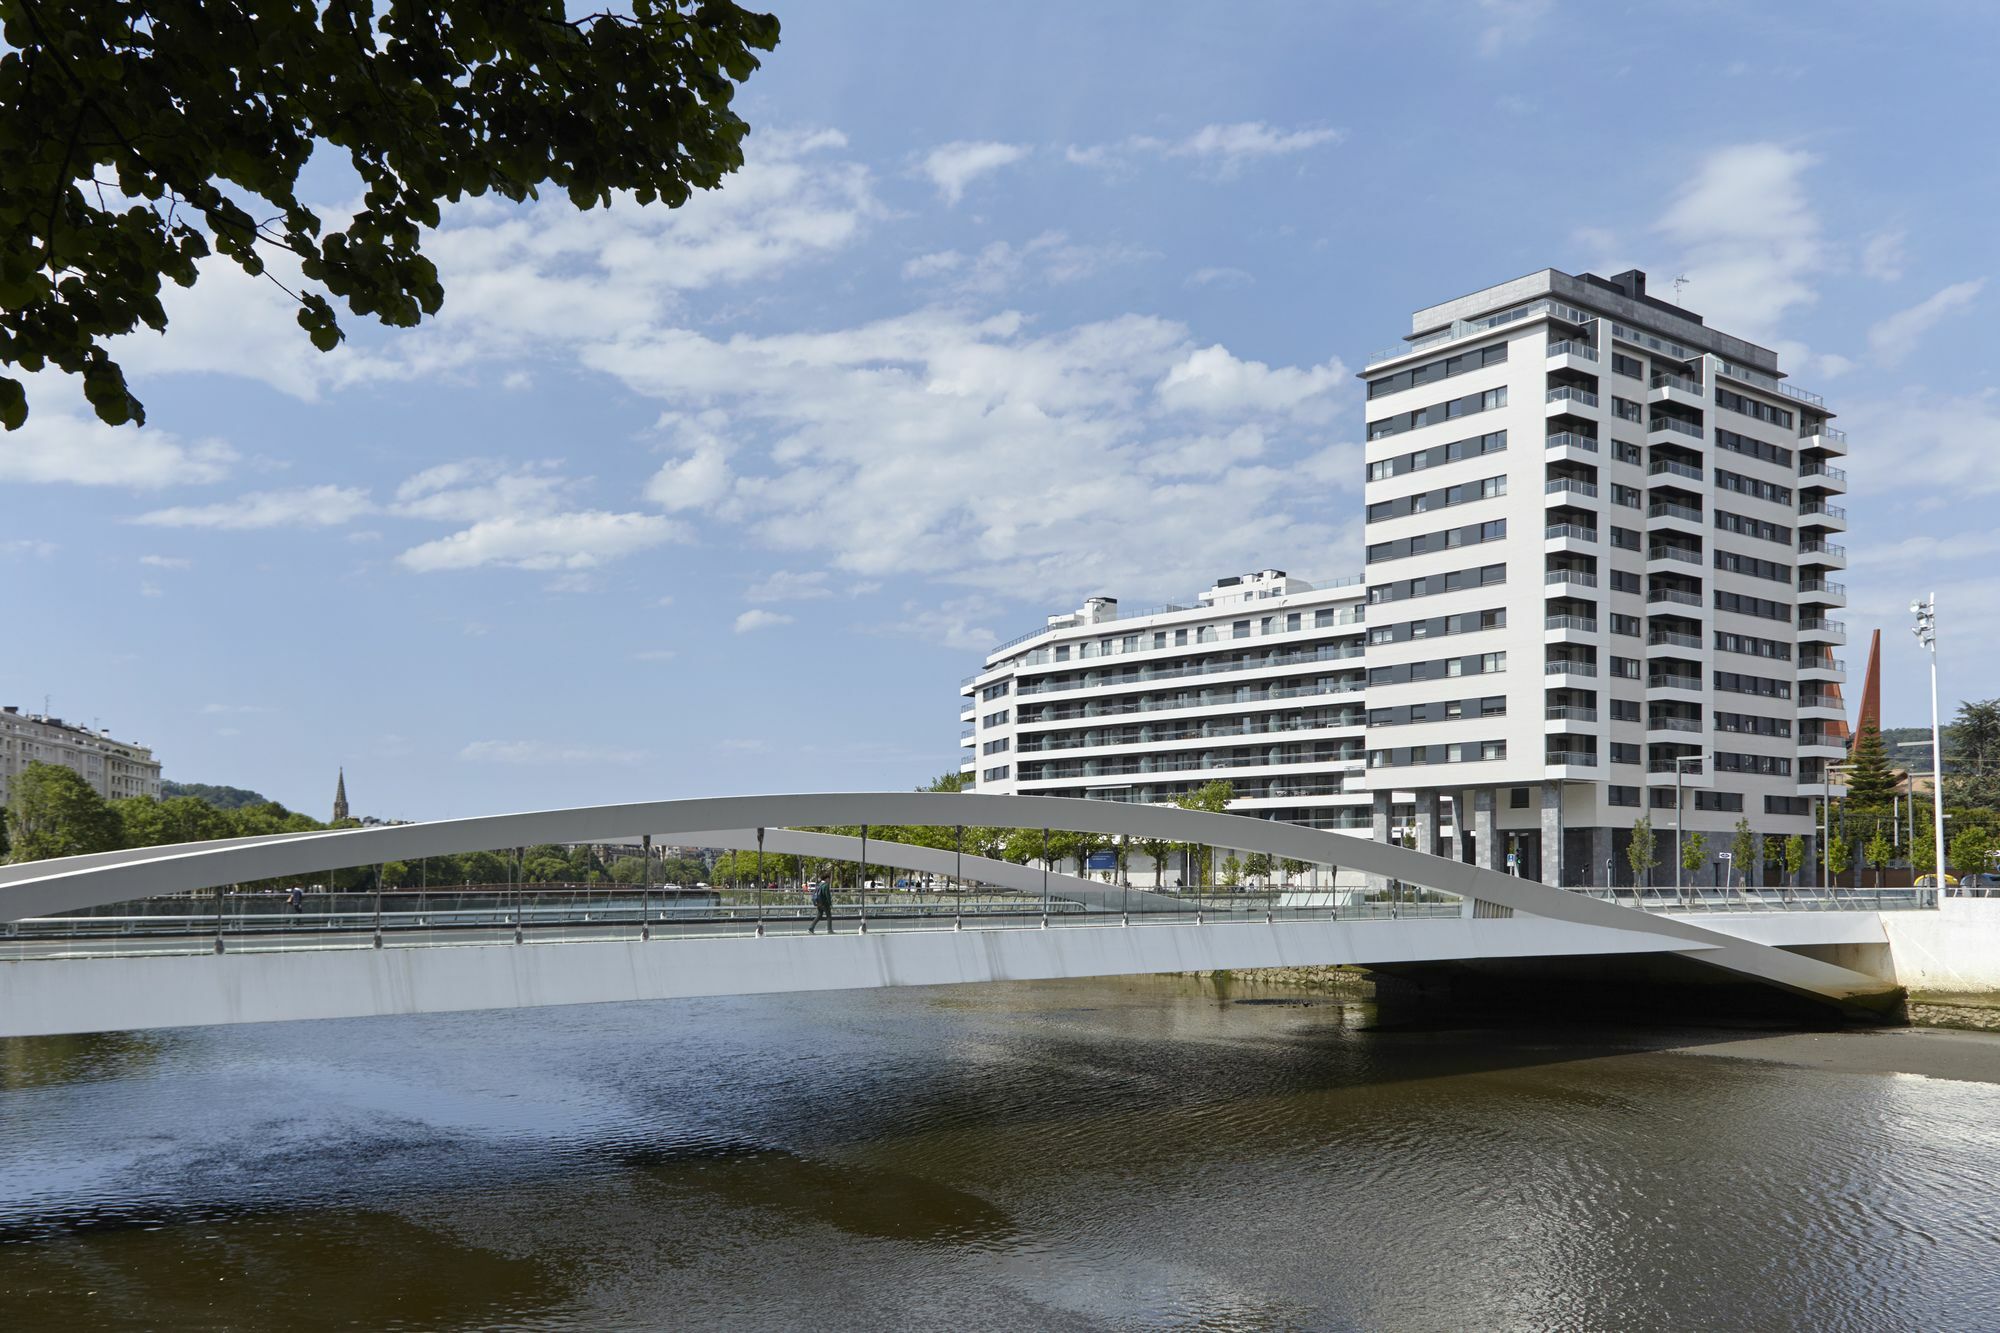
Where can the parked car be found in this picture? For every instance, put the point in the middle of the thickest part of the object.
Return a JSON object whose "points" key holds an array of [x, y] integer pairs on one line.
{"points": [[1983, 881]]}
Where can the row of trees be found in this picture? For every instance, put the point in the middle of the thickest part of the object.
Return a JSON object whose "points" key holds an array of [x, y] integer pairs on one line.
{"points": [[52, 811]]}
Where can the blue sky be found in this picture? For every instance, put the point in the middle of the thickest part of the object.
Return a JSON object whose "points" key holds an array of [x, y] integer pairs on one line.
{"points": [[1013, 304]]}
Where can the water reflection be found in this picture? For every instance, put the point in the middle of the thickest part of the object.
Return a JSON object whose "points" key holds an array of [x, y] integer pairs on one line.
{"points": [[1126, 1153]]}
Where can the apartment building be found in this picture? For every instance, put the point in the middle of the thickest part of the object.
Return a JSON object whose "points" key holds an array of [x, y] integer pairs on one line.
{"points": [[113, 768], [1258, 680], [1599, 565]]}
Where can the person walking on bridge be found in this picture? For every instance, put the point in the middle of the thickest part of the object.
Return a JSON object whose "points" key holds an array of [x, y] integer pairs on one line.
{"points": [[822, 899]]}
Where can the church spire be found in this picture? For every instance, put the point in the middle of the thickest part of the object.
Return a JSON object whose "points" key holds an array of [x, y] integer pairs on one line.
{"points": [[340, 796]]}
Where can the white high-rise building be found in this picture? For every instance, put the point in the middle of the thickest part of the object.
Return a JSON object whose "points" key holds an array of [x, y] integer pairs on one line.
{"points": [[1597, 562], [1258, 681], [1597, 585], [113, 768]]}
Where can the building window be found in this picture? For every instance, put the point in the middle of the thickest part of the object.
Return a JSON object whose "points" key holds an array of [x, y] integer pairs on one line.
{"points": [[1621, 795], [1518, 798], [996, 774]]}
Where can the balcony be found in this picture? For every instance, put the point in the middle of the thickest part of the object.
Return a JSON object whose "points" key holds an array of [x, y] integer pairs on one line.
{"points": [[1565, 351], [1673, 680], [1676, 596], [1559, 628], [1685, 725], [1815, 552], [1672, 427], [1571, 713], [1666, 511], [1822, 629], [1572, 532], [1820, 708], [1668, 388], [1829, 439], [1571, 759], [1665, 468], [1574, 441], [1580, 578], [1586, 669], [1822, 746], [1569, 398], [1661, 638], [1680, 554], [1571, 486], [1823, 477], [1823, 669]]}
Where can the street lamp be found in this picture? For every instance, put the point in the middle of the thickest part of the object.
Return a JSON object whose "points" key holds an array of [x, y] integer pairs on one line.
{"points": [[1679, 762], [1926, 631], [1728, 860]]}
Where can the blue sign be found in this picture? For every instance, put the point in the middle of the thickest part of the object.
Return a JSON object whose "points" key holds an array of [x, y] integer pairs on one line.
{"points": [[1103, 861]]}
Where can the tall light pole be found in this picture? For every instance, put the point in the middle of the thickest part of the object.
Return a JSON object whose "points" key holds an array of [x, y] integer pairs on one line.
{"points": [[1926, 631], [1680, 762]]}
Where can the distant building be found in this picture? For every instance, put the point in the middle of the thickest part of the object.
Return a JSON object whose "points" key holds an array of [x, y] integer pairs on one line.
{"points": [[113, 768], [340, 797]]}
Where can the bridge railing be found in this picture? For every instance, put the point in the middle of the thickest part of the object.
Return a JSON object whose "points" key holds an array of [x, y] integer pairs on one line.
{"points": [[235, 922]]}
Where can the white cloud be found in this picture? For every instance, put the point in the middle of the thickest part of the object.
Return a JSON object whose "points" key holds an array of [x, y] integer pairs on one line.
{"points": [[63, 447], [1213, 381], [1514, 23], [547, 752], [514, 381], [310, 506], [1750, 238], [695, 481], [785, 586], [148, 588], [982, 452], [521, 278], [30, 548], [1219, 277], [1882, 257], [1222, 150], [953, 166], [565, 541], [165, 561], [475, 489], [1894, 338], [756, 619], [1050, 257], [963, 624], [1944, 446]]}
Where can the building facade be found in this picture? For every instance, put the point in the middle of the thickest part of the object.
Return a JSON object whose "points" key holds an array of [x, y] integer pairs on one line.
{"points": [[1599, 584], [113, 768], [1599, 569], [1258, 681]]}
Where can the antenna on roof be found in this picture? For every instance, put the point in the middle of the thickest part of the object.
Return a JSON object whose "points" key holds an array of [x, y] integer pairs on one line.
{"points": [[1679, 283]]}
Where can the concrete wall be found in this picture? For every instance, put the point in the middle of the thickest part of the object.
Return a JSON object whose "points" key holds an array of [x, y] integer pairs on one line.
{"points": [[1955, 950]]}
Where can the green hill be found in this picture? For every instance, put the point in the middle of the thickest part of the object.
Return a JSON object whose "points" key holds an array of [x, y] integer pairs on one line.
{"points": [[222, 798]]}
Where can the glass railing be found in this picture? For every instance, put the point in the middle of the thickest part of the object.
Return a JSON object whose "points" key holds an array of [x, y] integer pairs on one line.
{"points": [[1681, 382], [1582, 624], [1672, 724], [1666, 510], [1822, 470], [1571, 713], [1761, 380], [1567, 394], [1569, 669], [1581, 577], [1808, 508], [1572, 758], [1668, 639], [1674, 553], [1674, 469], [1674, 595], [1571, 347], [1571, 485], [1675, 424], [1672, 681], [1575, 532], [1569, 439]]}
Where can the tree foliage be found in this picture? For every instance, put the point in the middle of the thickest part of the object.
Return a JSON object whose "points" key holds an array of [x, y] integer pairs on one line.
{"points": [[1871, 781], [137, 137], [1694, 850], [1640, 853], [1878, 852], [1973, 745], [1795, 856], [52, 811], [1743, 849]]}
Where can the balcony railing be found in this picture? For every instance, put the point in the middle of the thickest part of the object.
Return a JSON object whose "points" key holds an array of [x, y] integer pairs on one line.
{"points": [[1573, 531], [1669, 680], [1834, 433], [1582, 624], [1770, 383], [1569, 439], [1661, 638], [1573, 758], [1811, 547], [1674, 595], [1674, 469], [1570, 669], [1565, 393], [1674, 424], [1583, 578], [1822, 470], [1672, 724], [1669, 766], [1265, 662], [1822, 664], [1570, 347], [1667, 509], [1674, 553], [1831, 629], [1823, 585], [1571, 713], [1571, 485], [1681, 382], [1807, 508]]}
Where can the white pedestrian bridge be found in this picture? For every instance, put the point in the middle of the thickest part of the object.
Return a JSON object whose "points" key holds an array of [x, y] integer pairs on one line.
{"points": [[148, 938]]}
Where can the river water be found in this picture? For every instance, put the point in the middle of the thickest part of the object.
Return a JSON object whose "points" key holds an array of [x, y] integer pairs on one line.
{"points": [[1137, 1153]]}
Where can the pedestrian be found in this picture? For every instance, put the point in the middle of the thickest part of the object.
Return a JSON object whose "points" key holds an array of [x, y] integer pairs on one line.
{"points": [[822, 907], [296, 900]]}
